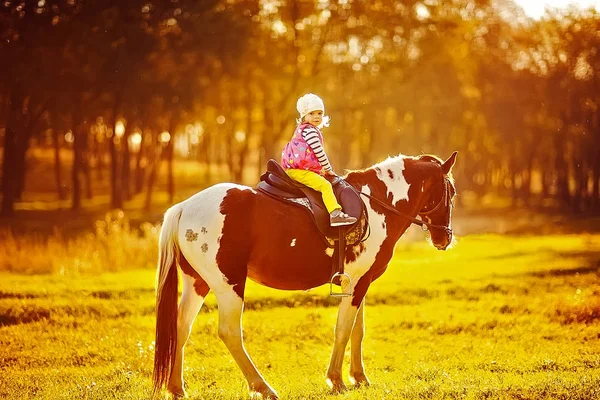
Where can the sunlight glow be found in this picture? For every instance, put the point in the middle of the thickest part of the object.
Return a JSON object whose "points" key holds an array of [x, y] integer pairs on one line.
{"points": [[164, 137], [240, 136], [536, 8], [135, 141], [279, 27], [422, 11], [119, 128], [69, 138]]}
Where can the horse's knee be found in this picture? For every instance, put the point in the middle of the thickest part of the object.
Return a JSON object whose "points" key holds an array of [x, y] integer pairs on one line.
{"points": [[184, 327], [223, 334], [229, 336]]}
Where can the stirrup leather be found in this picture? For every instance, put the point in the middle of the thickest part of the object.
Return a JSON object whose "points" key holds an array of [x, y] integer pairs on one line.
{"points": [[337, 266]]}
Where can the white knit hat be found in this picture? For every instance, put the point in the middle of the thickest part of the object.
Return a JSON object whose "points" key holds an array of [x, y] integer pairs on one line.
{"points": [[309, 103]]}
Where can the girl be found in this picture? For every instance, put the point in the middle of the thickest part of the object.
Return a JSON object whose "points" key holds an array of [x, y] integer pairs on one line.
{"points": [[304, 158]]}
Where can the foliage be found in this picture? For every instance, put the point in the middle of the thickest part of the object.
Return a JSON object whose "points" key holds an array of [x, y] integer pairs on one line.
{"points": [[519, 96]]}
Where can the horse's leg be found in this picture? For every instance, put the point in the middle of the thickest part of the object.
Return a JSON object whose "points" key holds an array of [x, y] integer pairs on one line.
{"points": [[230, 331], [192, 298], [343, 327], [357, 369]]}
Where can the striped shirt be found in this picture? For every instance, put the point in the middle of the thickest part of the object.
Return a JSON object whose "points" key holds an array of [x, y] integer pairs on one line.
{"points": [[311, 136]]}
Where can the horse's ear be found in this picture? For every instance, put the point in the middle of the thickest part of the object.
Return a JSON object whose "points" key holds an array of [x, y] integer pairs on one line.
{"points": [[449, 163]]}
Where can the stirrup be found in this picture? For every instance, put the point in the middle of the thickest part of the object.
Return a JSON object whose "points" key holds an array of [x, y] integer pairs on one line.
{"points": [[339, 294]]}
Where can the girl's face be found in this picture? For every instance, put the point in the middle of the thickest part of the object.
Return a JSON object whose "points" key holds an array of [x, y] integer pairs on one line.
{"points": [[314, 117]]}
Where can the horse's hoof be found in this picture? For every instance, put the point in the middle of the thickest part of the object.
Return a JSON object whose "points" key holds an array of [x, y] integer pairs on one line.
{"points": [[336, 385], [177, 393], [359, 380], [263, 391]]}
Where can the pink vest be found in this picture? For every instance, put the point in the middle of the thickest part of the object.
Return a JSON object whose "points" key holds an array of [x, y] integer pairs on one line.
{"points": [[297, 154]]}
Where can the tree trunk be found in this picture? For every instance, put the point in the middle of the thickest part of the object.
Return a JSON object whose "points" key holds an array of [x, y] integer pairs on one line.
{"points": [[546, 181], [169, 154], [125, 166], [58, 165], [231, 156], [116, 200], [513, 171], [77, 157], [526, 183], [139, 170], [371, 133], [153, 167], [595, 201], [206, 144], [239, 177], [10, 146], [98, 154], [20, 166], [85, 162], [562, 172]]}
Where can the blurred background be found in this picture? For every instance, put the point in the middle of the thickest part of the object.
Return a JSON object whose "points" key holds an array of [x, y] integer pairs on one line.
{"points": [[113, 105]]}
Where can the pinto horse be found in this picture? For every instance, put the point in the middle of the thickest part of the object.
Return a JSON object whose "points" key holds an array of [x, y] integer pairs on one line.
{"points": [[227, 233]]}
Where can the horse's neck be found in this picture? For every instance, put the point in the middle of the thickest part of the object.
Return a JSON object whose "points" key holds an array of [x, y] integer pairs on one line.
{"points": [[368, 181]]}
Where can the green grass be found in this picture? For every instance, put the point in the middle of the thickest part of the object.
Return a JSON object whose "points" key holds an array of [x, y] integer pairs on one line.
{"points": [[508, 317]]}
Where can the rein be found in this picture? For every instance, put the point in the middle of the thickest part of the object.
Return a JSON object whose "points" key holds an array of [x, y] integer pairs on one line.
{"points": [[424, 225]]}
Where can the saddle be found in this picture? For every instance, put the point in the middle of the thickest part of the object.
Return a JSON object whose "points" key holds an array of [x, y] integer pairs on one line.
{"points": [[278, 185]]}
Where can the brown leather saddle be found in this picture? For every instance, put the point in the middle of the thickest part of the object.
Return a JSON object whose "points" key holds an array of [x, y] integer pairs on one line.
{"points": [[277, 184]]}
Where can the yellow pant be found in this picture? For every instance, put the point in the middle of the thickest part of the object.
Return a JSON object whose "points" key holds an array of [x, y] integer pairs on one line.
{"points": [[318, 183]]}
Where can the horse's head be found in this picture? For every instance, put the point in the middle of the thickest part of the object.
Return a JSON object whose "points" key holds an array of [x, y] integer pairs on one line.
{"points": [[438, 195], [407, 187]]}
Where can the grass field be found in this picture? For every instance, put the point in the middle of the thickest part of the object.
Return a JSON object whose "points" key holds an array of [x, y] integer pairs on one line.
{"points": [[508, 317]]}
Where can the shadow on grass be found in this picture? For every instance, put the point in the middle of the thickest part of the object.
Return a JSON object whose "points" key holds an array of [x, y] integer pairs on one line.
{"points": [[591, 265], [591, 269]]}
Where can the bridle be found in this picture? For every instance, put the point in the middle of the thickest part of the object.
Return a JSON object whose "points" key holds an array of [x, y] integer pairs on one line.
{"points": [[445, 200]]}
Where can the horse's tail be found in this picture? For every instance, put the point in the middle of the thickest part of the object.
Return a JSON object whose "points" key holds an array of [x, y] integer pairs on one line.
{"points": [[165, 343]]}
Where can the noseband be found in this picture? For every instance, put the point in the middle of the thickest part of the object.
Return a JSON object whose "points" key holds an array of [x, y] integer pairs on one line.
{"points": [[424, 225]]}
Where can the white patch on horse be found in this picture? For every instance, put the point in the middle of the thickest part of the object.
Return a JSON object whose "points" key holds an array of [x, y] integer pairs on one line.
{"points": [[293, 242], [396, 185], [329, 251], [365, 260], [242, 187], [203, 210]]}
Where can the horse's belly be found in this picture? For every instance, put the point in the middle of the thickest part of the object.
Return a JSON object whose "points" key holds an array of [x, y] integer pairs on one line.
{"points": [[289, 261], [279, 277], [287, 250]]}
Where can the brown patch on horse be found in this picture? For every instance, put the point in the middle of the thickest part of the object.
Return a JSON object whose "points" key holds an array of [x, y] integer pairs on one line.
{"points": [[190, 235], [204, 230], [273, 261], [353, 252], [204, 247], [235, 240], [200, 286], [390, 173]]}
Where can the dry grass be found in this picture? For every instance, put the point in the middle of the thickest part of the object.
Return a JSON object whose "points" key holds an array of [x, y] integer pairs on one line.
{"points": [[112, 246]]}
